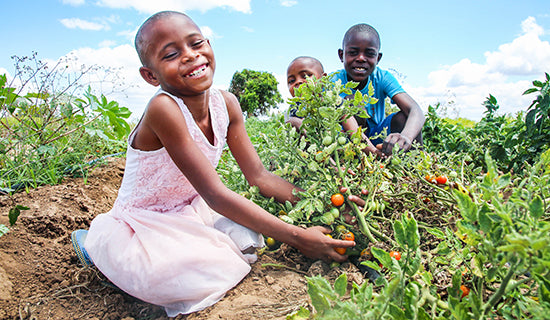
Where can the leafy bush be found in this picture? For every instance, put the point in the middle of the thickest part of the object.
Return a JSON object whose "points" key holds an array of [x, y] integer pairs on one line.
{"points": [[50, 126]]}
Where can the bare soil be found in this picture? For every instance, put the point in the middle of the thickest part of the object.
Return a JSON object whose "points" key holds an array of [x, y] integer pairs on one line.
{"points": [[41, 278]]}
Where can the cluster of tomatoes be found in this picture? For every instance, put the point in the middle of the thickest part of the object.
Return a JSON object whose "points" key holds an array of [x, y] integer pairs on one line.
{"points": [[440, 179]]}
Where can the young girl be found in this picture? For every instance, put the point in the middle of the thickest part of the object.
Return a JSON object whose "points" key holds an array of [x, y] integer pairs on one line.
{"points": [[176, 235]]}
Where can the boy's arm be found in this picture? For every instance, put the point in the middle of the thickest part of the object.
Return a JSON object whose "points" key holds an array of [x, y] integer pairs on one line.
{"points": [[413, 125]]}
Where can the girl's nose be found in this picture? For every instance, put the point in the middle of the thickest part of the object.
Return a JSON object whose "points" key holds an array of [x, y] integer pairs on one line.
{"points": [[189, 55]]}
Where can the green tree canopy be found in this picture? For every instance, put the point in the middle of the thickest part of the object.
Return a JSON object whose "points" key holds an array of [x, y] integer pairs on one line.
{"points": [[256, 91]]}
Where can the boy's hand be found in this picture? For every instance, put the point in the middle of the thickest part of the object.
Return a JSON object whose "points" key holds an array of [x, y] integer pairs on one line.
{"points": [[393, 139]]}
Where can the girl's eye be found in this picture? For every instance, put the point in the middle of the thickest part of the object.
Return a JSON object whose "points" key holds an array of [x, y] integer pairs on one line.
{"points": [[170, 55], [198, 43]]}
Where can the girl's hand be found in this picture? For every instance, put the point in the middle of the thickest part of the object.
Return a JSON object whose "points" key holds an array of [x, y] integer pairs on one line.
{"points": [[317, 245]]}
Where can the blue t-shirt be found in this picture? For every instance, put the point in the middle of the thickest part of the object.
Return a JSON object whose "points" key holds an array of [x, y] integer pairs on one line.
{"points": [[384, 84]]}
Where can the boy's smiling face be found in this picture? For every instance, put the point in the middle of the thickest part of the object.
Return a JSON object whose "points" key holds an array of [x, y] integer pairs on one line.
{"points": [[360, 56], [299, 70], [178, 57]]}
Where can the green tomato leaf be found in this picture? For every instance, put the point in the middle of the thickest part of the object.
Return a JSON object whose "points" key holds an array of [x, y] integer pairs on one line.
{"points": [[399, 233], [341, 284], [536, 208]]}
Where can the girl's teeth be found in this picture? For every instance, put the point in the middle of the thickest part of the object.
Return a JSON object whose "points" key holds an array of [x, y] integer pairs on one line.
{"points": [[197, 72]]}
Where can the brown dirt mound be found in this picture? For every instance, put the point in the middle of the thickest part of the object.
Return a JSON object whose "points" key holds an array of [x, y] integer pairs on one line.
{"points": [[40, 277]]}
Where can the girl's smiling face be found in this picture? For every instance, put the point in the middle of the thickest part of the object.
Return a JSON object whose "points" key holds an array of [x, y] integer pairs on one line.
{"points": [[178, 57]]}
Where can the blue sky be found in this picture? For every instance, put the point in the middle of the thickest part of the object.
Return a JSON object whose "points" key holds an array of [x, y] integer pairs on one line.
{"points": [[452, 52]]}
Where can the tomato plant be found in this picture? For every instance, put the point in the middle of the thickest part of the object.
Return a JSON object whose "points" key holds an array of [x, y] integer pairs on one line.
{"points": [[484, 217]]}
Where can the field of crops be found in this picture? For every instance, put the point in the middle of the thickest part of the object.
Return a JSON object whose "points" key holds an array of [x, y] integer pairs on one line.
{"points": [[457, 229]]}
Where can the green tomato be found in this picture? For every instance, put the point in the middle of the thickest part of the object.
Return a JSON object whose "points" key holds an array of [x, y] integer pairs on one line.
{"points": [[342, 140], [335, 212], [327, 141]]}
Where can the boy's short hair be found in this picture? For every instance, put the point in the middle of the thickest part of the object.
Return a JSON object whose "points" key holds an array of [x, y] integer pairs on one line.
{"points": [[308, 58], [139, 41], [360, 27]]}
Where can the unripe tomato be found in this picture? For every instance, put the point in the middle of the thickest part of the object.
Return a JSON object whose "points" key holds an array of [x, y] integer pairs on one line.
{"points": [[342, 140], [348, 236], [341, 251], [270, 242], [335, 212], [337, 199], [327, 141], [340, 229], [441, 180], [396, 255], [465, 291]]}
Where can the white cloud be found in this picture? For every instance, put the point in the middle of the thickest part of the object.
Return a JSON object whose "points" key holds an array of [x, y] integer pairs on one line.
{"points": [[465, 85], [74, 2], [208, 33], [147, 6], [107, 43], [288, 3], [76, 23]]}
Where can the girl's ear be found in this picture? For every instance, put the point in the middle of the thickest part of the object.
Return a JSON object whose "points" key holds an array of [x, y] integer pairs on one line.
{"points": [[341, 55], [148, 75]]}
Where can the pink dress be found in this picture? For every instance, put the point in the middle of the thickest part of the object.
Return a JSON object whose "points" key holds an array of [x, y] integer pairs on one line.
{"points": [[161, 242]]}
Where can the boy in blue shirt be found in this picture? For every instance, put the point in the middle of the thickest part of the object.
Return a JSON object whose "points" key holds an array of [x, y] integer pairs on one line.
{"points": [[360, 55]]}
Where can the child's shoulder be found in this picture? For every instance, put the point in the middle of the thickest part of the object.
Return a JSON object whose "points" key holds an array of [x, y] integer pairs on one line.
{"points": [[232, 103]]}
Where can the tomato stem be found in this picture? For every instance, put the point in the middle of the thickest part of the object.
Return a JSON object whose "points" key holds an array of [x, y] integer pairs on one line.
{"points": [[363, 225]]}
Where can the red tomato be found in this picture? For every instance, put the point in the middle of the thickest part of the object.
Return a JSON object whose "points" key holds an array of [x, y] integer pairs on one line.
{"points": [[396, 255], [441, 180], [337, 199], [465, 290]]}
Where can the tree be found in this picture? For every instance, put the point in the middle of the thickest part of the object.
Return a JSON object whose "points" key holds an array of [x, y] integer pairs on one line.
{"points": [[256, 91]]}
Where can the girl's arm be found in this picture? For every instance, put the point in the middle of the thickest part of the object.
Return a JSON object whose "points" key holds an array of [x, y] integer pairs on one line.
{"points": [[166, 122], [252, 167]]}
